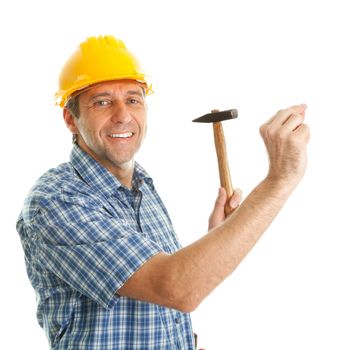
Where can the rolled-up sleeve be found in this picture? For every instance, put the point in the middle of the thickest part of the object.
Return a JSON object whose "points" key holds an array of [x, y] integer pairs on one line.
{"points": [[88, 249]]}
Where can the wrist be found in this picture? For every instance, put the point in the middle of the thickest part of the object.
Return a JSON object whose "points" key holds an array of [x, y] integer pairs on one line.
{"points": [[280, 186]]}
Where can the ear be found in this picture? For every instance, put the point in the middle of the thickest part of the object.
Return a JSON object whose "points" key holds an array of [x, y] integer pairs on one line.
{"points": [[70, 121]]}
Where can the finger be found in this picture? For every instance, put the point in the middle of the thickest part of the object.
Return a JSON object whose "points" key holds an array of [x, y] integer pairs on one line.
{"points": [[275, 122], [269, 121], [218, 214], [220, 201], [303, 131], [236, 198], [221, 197], [283, 115], [292, 123]]}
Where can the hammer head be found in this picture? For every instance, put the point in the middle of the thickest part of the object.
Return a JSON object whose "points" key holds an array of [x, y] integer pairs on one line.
{"points": [[217, 116]]}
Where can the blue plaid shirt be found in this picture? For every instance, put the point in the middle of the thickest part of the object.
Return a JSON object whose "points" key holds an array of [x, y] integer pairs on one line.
{"points": [[84, 235]]}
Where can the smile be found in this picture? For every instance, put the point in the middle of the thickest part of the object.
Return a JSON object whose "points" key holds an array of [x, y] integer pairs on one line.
{"points": [[122, 135]]}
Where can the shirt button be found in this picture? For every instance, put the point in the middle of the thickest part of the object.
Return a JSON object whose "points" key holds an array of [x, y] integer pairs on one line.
{"points": [[177, 320]]}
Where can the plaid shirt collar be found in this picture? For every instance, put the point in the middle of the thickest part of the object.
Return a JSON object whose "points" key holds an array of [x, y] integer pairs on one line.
{"points": [[99, 178]]}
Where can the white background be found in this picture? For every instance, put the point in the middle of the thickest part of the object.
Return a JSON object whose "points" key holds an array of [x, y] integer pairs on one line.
{"points": [[256, 56]]}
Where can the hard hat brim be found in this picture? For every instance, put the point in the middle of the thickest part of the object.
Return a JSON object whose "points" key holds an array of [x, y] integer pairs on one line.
{"points": [[62, 96]]}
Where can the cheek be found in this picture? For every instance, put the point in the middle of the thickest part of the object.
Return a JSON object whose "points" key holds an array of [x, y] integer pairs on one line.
{"points": [[88, 132], [143, 133], [90, 126], [143, 130], [143, 124]]}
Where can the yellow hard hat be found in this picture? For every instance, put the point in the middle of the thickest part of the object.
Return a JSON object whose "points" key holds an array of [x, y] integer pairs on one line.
{"points": [[98, 59]]}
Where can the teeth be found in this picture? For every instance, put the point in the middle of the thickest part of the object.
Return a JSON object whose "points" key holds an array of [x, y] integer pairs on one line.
{"points": [[124, 135]]}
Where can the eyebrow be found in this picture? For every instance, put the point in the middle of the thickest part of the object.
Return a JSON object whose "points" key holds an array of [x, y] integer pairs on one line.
{"points": [[108, 94], [136, 92], [101, 94]]}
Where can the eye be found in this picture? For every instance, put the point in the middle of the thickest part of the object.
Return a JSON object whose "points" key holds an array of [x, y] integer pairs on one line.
{"points": [[133, 101], [102, 103]]}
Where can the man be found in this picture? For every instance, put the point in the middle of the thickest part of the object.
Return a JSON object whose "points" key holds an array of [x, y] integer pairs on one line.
{"points": [[100, 250]]}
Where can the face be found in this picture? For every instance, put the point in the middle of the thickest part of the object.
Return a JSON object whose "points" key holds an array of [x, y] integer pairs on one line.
{"points": [[112, 122]]}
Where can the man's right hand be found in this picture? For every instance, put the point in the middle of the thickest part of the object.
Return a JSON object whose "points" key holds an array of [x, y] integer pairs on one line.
{"points": [[286, 136]]}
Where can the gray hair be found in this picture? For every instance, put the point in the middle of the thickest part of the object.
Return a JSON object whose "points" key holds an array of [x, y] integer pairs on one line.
{"points": [[73, 106]]}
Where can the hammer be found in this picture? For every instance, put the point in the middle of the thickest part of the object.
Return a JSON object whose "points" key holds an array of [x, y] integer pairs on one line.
{"points": [[216, 117]]}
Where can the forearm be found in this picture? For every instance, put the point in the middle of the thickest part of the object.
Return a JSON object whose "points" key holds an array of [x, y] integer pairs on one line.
{"points": [[182, 280], [200, 267]]}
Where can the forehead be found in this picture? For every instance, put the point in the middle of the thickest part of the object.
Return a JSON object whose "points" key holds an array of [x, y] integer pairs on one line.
{"points": [[114, 87]]}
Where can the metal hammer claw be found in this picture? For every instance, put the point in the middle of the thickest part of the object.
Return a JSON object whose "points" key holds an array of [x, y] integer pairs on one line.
{"points": [[216, 117]]}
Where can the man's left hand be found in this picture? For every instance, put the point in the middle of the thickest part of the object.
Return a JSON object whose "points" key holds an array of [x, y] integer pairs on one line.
{"points": [[218, 215]]}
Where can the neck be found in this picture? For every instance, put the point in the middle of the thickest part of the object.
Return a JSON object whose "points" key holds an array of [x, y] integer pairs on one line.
{"points": [[124, 173]]}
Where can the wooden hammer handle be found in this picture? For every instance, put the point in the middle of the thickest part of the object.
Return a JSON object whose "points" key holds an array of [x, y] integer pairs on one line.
{"points": [[225, 176]]}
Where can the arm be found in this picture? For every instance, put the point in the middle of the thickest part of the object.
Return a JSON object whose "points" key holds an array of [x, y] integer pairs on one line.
{"points": [[184, 279]]}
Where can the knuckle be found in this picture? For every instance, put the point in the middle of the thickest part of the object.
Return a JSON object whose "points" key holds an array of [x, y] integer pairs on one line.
{"points": [[298, 117], [306, 129], [271, 132], [262, 129], [282, 135], [303, 132], [238, 192], [292, 139]]}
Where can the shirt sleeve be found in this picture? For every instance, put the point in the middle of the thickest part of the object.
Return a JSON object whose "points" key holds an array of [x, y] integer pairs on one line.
{"points": [[92, 251]]}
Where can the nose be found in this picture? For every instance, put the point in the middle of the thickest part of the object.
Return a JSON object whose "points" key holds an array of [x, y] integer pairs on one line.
{"points": [[120, 113]]}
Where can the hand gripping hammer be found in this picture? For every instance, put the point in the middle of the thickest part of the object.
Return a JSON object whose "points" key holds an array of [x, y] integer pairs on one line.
{"points": [[216, 117]]}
